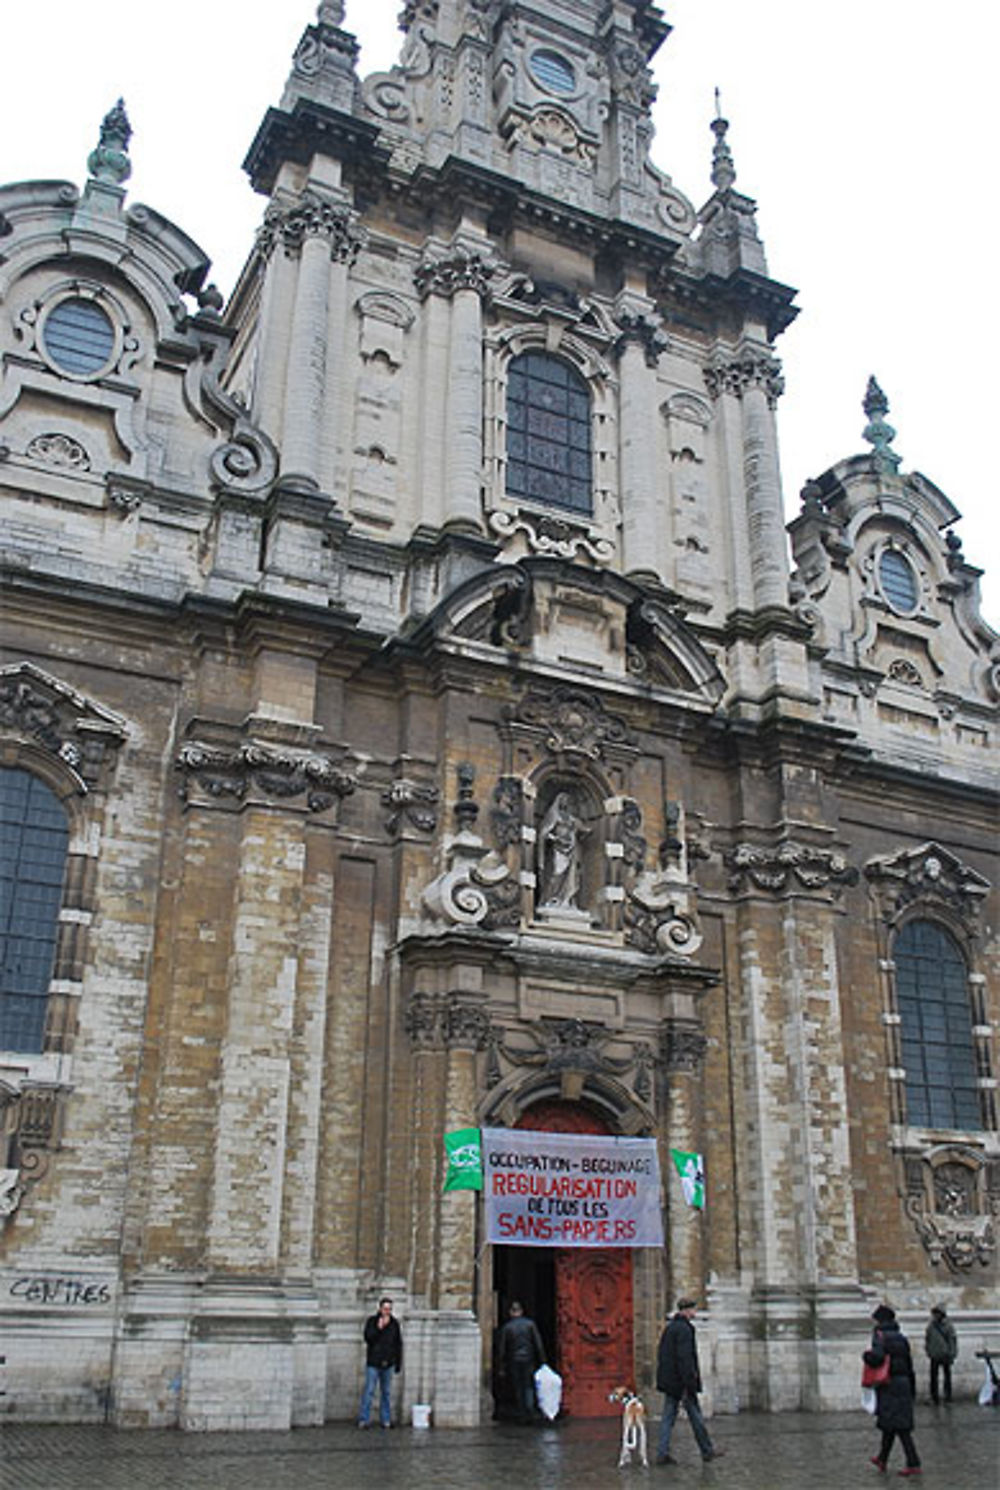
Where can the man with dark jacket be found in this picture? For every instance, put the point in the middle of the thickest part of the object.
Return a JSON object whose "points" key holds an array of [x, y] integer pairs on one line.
{"points": [[521, 1353], [678, 1377], [383, 1356], [941, 1345]]}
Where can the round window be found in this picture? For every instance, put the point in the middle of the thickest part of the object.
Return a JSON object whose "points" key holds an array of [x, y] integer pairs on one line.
{"points": [[898, 581], [79, 337], [552, 72]]}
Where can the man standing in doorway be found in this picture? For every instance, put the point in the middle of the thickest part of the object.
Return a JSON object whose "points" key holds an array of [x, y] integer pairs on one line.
{"points": [[383, 1356], [678, 1377], [521, 1353]]}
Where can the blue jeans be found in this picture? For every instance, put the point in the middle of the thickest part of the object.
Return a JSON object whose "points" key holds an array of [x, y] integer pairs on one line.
{"points": [[671, 1405], [382, 1375]]}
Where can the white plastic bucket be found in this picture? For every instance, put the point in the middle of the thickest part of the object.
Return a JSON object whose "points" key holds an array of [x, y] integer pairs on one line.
{"points": [[421, 1414]]}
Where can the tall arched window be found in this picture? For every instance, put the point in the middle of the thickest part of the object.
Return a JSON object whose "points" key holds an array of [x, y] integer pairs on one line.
{"points": [[935, 1028], [548, 433], [34, 837]]}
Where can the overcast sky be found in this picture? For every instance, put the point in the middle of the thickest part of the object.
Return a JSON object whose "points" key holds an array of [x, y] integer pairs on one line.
{"points": [[863, 129]]}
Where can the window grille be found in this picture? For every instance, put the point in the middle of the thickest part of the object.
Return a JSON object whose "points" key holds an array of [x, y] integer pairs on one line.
{"points": [[937, 1045], [548, 433], [34, 837]]}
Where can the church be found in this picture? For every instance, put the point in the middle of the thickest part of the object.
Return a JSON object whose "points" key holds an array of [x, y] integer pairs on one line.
{"points": [[416, 716]]}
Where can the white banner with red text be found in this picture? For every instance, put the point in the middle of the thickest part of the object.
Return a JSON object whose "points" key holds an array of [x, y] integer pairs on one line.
{"points": [[571, 1189]]}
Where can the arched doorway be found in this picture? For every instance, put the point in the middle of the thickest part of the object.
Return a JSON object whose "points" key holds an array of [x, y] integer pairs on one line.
{"points": [[580, 1297]]}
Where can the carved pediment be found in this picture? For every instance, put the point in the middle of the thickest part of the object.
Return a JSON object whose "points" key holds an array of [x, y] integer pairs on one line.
{"points": [[53, 717], [931, 876]]}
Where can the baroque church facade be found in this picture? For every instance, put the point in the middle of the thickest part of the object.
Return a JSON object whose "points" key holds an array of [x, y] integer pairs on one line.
{"points": [[414, 716]]}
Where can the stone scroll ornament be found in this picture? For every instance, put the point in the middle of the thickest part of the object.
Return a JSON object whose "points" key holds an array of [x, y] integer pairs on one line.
{"points": [[660, 915], [476, 887]]}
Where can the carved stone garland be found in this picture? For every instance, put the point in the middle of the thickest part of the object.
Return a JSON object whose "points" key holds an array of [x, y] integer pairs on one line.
{"points": [[788, 866], [236, 771]]}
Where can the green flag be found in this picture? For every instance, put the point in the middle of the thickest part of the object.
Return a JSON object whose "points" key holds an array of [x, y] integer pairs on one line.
{"points": [[691, 1168], [465, 1160]]}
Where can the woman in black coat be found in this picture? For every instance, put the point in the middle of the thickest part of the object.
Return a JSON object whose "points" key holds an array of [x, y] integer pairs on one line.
{"points": [[896, 1396]]}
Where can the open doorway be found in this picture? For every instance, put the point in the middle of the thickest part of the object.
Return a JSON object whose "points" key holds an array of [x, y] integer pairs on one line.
{"points": [[580, 1297]]}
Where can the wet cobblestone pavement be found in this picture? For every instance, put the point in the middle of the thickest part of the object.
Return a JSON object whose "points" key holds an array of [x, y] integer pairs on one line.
{"points": [[960, 1447]]}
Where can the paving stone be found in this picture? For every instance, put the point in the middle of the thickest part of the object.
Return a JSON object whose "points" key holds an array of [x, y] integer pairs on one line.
{"points": [[960, 1447]]}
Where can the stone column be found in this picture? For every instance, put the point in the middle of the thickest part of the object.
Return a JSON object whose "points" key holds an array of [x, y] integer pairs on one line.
{"points": [[244, 1226], [323, 231], [466, 1025], [683, 1048], [756, 380], [274, 321], [642, 503], [464, 276], [798, 1186]]}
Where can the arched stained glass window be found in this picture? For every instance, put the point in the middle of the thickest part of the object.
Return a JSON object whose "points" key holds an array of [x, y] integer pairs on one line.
{"points": [[935, 1028], [34, 837], [548, 433]]}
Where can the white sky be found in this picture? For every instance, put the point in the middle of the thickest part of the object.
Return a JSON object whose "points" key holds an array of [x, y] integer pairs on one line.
{"points": [[862, 128]]}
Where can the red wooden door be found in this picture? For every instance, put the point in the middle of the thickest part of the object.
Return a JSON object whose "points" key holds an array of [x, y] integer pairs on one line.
{"points": [[593, 1296], [594, 1322]]}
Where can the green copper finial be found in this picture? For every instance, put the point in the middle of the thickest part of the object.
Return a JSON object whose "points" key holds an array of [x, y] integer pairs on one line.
{"points": [[110, 162], [723, 169], [877, 432]]}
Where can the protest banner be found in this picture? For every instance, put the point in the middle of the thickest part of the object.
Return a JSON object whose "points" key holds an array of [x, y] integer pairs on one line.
{"points": [[571, 1189]]}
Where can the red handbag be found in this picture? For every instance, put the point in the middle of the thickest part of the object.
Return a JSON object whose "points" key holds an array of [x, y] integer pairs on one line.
{"points": [[875, 1376]]}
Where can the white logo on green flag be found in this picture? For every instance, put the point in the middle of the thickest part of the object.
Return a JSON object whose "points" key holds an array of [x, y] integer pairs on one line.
{"points": [[691, 1168], [465, 1160]]}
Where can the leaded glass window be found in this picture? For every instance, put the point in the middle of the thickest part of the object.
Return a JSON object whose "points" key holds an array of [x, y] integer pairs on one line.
{"points": [[79, 337], [553, 72], [548, 433], [34, 837], [935, 1028], [898, 581]]}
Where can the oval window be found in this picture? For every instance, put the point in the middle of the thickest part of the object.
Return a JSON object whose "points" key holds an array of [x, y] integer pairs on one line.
{"points": [[898, 581], [79, 337], [552, 72]]}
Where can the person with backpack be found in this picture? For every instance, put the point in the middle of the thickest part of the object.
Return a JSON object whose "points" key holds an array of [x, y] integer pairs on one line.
{"points": [[941, 1345]]}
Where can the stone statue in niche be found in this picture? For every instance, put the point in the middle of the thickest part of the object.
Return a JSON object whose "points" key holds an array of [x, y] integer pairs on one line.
{"points": [[559, 839]]}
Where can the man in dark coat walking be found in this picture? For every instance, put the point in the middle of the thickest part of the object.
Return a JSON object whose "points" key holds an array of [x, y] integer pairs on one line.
{"points": [[678, 1377]]}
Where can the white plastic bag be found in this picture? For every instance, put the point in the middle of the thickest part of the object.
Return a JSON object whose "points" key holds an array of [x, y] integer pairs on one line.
{"points": [[548, 1389], [869, 1400]]}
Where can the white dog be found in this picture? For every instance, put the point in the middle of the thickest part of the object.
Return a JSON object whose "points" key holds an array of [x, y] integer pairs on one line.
{"points": [[633, 1426]]}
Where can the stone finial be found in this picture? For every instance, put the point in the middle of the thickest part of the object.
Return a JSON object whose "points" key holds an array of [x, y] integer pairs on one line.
{"points": [[723, 169], [109, 161], [877, 431], [331, 12]]}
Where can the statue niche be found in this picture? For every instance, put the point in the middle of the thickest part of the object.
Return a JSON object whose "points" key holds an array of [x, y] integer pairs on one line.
{"points": [[562, 882]]}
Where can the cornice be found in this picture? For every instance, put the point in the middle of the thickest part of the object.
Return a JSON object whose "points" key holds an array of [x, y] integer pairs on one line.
{"points": [[310, 129]]}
